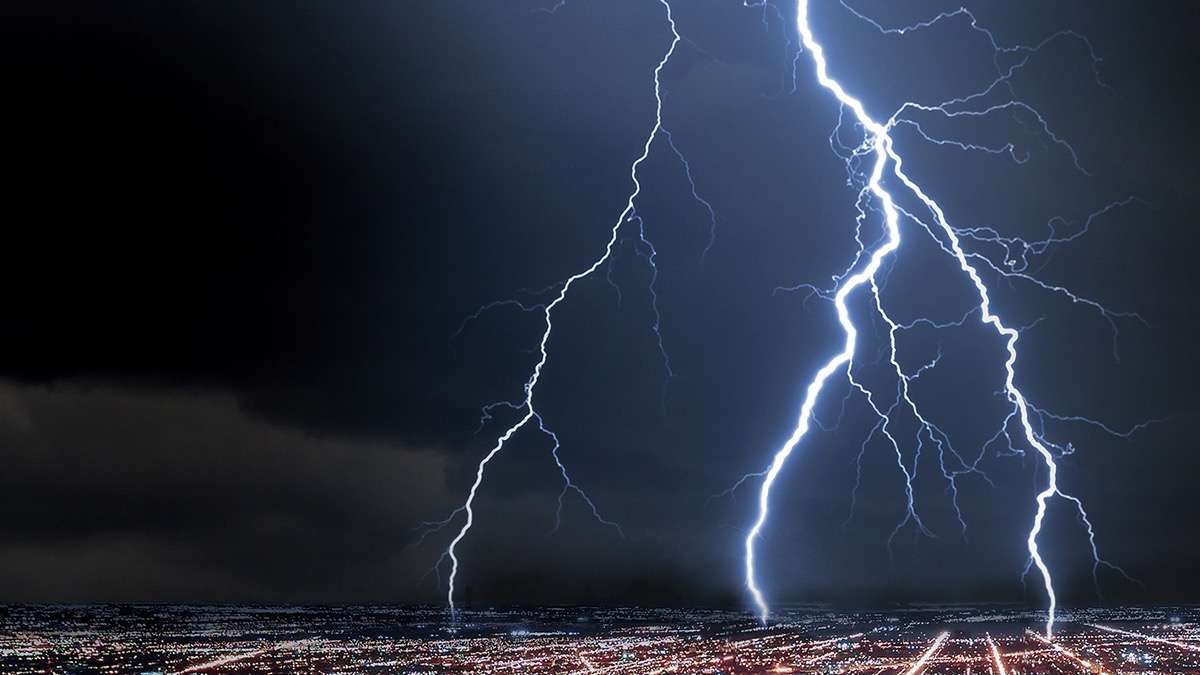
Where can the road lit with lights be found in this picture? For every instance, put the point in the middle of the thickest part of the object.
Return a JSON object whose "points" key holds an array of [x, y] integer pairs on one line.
{"points": [[918, 641]]}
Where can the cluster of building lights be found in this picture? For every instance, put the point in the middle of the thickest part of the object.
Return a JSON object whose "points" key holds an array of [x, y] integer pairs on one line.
{"points": [[158, 640]]}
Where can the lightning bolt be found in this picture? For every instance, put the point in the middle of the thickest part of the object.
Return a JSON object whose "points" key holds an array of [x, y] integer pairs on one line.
{"points": [[879, 145], [1021, 259], [528, 411]]}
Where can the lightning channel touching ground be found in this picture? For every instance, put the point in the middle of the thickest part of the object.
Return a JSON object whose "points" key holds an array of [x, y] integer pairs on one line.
{"points": [[527, 405], [880, 142], [1018, 254], [867, 148]]}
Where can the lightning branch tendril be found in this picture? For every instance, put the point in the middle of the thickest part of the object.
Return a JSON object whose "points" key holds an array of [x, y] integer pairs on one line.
{"points": [[977, 250], [628, 214], [1019, 254], [847, 285]]}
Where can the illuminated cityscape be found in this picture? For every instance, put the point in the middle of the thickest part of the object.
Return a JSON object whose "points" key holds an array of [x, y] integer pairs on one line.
{"points": [[934, 640], [614, 337]]}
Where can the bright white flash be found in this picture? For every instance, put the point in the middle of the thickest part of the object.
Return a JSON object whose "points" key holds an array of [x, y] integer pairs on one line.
{"points": [[862, 271], [881, 146], [881, 142]]}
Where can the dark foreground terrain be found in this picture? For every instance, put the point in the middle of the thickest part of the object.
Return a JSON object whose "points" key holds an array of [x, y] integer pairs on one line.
{"points": [[943, 641]]}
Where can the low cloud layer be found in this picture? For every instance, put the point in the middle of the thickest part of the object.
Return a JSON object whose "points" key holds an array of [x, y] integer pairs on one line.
{"points": [[113, 494]]}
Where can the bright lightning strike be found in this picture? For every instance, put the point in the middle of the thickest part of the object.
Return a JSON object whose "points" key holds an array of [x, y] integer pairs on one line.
{"points": [[879, 144], [628, 214], [1021, 260]]}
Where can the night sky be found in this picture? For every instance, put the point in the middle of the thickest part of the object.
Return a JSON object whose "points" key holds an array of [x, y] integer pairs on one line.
{"points": [[240, 236]]}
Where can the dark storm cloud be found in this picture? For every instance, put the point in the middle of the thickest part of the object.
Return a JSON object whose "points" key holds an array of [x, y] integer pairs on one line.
{"points": [[132, 493], [241, 235], [119, 495]]}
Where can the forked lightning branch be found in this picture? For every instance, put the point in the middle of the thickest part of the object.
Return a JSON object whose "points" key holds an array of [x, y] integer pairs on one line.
{"points": [[874, 164]]}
